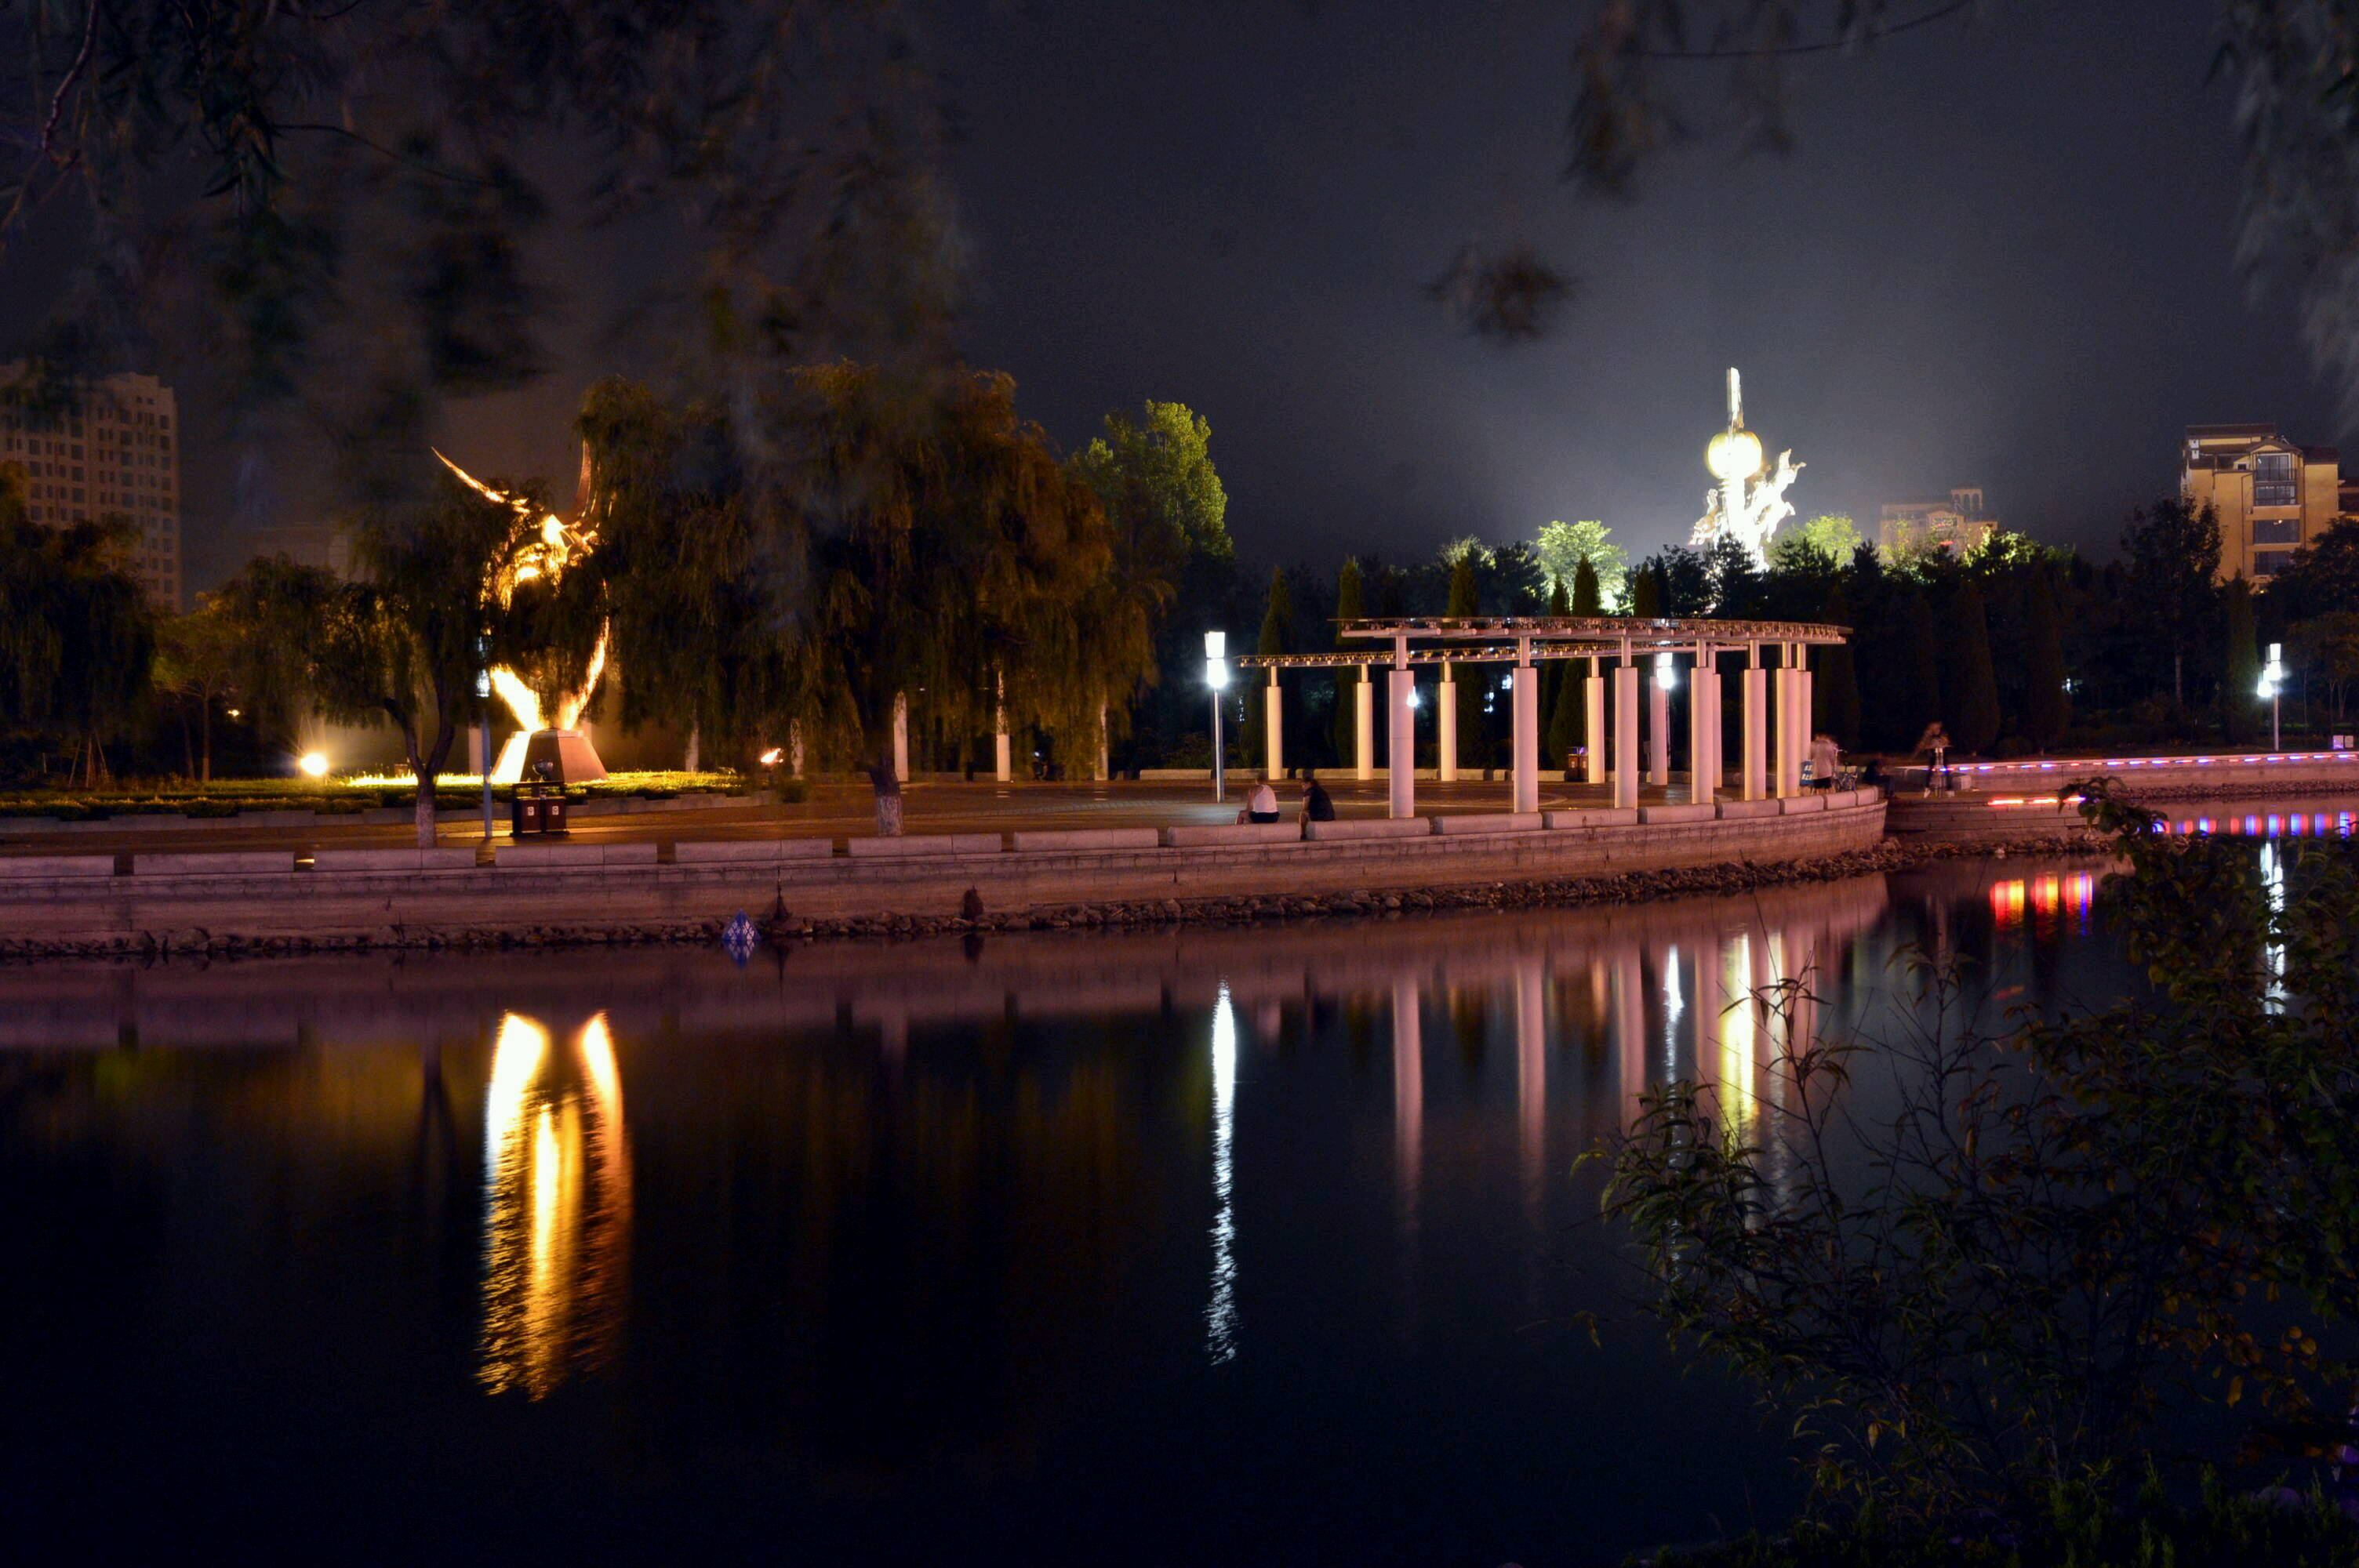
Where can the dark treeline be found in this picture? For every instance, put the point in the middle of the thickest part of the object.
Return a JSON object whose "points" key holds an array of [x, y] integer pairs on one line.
{"points": [[925, 543]]}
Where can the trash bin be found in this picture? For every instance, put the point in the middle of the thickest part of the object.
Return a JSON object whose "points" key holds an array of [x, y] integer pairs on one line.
{"points": [[552, 809], [523, 811]]}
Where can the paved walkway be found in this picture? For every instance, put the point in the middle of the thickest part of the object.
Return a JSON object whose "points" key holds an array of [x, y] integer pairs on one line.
{"points": [[837, 811]]}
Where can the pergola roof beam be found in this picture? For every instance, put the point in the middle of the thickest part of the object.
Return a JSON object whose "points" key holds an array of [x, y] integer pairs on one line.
{"points": [[1667, 631]]}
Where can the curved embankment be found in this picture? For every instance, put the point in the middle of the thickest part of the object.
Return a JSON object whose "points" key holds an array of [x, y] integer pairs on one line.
{"points": [[2003, 802], [96, 904]]}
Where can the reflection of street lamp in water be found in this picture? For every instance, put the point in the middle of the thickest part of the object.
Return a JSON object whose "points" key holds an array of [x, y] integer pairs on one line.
{"points": [[557, 1207]]}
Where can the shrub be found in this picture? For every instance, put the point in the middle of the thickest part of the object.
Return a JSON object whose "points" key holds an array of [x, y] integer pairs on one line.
{"points": [[1980, 1301]]}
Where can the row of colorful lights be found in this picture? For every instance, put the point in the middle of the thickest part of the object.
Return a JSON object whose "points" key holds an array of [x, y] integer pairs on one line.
{"points": [[2271, 825], [2045, 896], [2267, 758]]}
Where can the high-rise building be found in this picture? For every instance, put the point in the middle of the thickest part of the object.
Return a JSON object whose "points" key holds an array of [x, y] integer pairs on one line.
{"points": [[1960, 524], [114, 451], [2272, 495]]}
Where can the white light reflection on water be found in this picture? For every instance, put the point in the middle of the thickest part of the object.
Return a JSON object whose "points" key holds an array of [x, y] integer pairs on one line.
{"points": [[2273, 879], [1221, 1314]]}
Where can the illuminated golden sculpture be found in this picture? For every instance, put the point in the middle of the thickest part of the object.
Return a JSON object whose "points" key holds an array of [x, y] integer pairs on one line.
{"points": [[556, 1207], [542, 550], [1749, 502]]}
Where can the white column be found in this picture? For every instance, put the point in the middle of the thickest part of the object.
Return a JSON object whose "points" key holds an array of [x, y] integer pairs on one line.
{"points": [[1002, 754], [1792, 728], [1805, 706], [1756, 760], [1446, 718], [1105, 747], [1363, 725], [795, 748], [1526, 699], [1626, 736], [1594, 705], [1272, 730], [1400, 758], [1658, 731], [901, 736], [1717, 731], [1704, 725]]}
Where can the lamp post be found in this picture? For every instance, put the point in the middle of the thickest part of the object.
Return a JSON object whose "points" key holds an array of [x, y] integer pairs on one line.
{"points": [[1216, 677], [484, 725], [2272, 682]]}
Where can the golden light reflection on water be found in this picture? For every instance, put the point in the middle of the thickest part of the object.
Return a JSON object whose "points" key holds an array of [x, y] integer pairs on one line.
{"points": [[557, 1207]]}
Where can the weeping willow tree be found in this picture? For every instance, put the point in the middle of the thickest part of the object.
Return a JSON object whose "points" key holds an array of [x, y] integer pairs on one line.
{"points": [[955, 565], [699, 588], [403, 644], [77, 641]]}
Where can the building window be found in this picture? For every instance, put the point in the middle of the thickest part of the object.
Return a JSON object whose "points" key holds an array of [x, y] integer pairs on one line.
{"points": [[2274, 483], [2268, 563], [2276, 530]]}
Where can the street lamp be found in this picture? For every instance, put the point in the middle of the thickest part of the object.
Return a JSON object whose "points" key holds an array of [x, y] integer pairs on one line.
{"points": [[2272, 681], [1666, 673], [1216, 677], [483, 723]]}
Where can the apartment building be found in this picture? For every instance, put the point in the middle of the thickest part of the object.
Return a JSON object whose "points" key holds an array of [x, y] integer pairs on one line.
{"points": [[1961, 523], [2272, 495], [112, 452]]}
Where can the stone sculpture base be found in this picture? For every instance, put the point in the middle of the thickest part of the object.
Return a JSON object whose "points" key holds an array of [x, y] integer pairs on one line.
{"points": [[575, 758]]}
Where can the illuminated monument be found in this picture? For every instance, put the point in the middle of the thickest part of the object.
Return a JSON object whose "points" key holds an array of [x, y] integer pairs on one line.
{"points": [[1749, 502], [541, 551]]}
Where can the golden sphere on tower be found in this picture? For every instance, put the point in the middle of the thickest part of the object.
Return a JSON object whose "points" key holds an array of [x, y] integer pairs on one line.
{"points": [[1733, 454]]}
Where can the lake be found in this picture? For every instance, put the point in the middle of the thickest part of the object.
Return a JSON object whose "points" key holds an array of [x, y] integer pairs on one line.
{"points": [[1205, 1244]]}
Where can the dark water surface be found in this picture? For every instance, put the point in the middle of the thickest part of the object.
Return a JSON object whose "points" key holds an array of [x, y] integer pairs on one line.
{"points": [[1204, 1246]]}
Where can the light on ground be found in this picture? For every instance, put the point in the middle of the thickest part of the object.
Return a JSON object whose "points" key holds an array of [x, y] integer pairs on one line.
{"points": [[313, 763]]}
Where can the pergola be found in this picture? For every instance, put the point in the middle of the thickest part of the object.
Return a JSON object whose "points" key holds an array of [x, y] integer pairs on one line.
{"points": [[1770, 648]]}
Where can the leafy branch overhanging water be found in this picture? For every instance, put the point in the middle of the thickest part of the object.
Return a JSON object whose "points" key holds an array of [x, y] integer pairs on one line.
{"points": [[2007, 1283]]}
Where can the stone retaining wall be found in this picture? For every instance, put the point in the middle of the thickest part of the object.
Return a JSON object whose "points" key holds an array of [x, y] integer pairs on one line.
{"points": [[2236, 769], [186, 902]]}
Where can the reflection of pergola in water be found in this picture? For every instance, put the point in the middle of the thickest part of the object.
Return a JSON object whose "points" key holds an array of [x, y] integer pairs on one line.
{"points": [[1773, 660]]}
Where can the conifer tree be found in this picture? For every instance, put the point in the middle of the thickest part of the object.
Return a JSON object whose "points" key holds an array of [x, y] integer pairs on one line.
{"points": [[1351, 604], [2047, 708], [1587, 599], [1969, 685], [1277, 631], [1465, 599], [1552, 672], [1834, 694], [2240, 673], [1646, 593]]}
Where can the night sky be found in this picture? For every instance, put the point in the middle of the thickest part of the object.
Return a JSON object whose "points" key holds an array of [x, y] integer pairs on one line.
{"points": [[2001, 254]]}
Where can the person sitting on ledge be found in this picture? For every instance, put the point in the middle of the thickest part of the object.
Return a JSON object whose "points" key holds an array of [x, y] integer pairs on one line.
{"points": [[1261, 805], [1317, 807]]}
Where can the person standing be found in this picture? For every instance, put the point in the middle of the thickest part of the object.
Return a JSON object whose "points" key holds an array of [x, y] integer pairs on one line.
{"points": [[1934, 743], [1826, 761]]}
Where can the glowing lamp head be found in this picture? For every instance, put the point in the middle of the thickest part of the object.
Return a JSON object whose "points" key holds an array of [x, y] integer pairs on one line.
{"points": [[313, 763], [773, 757], [1733, 454]]}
